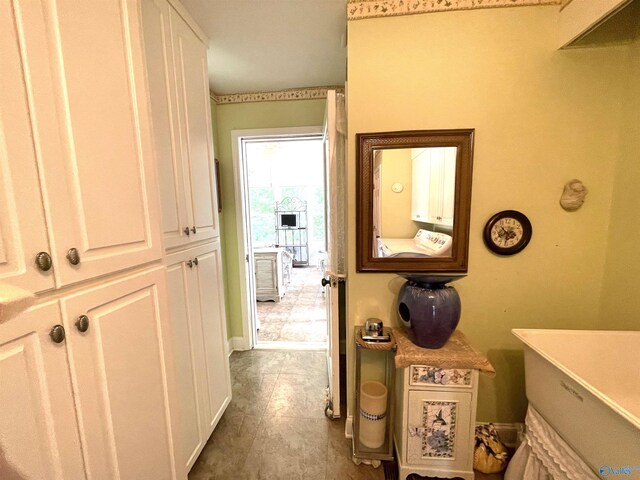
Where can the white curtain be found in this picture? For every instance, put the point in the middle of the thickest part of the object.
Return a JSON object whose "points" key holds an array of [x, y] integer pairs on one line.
{"points": [[545, 456]]}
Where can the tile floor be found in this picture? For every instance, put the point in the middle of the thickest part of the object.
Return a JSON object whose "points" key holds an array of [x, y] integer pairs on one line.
{"points": [[300, 316], [275, 428]]}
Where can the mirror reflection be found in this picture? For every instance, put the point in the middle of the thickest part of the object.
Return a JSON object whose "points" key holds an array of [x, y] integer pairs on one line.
{"points": [[413, 202]]}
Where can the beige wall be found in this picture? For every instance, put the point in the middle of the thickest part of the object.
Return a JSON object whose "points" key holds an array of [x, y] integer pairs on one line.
{"points": [[620, 307], [542, 117], [244, 116], [396, 211]]}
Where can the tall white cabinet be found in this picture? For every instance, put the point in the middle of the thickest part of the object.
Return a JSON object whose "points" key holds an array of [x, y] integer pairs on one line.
{"points": [[176, 55], [95, 376], [88, 387]]}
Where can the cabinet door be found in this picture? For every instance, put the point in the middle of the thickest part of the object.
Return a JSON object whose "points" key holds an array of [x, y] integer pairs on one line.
{"points": [[166, 128], [38, 428], [90, 96], [22, 223], [438, 426], [190, 59], [421, 177], [123, 387], [189, 356], [214, 335]]}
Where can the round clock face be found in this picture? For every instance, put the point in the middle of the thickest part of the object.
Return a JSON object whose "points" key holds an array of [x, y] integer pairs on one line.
{"points": [[507, 232]]}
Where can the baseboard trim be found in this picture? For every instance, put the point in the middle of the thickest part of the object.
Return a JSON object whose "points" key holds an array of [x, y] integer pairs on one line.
{"points": [[235, 344]]}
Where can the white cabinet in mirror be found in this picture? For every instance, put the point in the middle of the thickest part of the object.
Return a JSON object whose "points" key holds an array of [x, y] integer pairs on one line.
{"points": [[417, 219]]}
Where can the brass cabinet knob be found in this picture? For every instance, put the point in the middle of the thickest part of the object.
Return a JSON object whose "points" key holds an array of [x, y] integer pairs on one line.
{"points": [[195, 261], [57, 334], [43, 261], [193, 229], [187, 231], [73, 256], [82, 323]]}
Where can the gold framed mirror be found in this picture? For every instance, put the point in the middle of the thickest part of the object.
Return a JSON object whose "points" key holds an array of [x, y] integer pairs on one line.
{"points": [[413, 201]]}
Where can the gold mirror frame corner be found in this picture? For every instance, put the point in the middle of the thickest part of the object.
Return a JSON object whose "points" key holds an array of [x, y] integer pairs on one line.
{"points": [[366, 143]]}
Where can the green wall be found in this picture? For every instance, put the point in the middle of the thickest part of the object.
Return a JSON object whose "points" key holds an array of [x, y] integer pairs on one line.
{"points": [[620, 307], [245, 116], [542, 117]]}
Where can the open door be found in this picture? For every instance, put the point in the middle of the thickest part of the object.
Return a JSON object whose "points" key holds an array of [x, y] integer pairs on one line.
{"points": [[334, 271]]}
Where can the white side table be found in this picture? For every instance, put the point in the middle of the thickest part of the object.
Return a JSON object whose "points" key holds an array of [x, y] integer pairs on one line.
{"points": [[268, 266]]}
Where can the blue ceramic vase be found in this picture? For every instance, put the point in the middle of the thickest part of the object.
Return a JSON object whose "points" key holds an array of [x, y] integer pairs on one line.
{"points": [[430, 311]]}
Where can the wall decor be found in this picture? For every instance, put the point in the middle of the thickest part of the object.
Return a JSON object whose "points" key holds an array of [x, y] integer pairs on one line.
{"points": [[218, 188], [440, 163], [573, 195], [507, 232]]}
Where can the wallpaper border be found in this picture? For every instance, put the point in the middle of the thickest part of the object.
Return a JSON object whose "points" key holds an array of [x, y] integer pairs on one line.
{"points": [[310, 93], [361, 9]]}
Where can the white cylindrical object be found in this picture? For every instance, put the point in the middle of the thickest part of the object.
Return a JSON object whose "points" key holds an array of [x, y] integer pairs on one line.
{"points": [[373, 413]]}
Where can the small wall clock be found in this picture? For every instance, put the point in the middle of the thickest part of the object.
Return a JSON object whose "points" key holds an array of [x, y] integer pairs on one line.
{"points": [[507, 232]]}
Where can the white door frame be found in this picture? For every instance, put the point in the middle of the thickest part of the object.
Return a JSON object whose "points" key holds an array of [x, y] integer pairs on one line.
{"points": [[245, 256]]}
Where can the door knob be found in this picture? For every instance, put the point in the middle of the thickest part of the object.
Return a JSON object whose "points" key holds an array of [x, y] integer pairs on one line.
{"points": [[195, 261], [187, 231], [73, 256], [190, 264], [43, 261], [193, 229], [325, 282], [57, 334], [82, 323]]}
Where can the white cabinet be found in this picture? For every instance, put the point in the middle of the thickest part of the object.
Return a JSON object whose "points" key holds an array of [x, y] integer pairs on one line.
{"points": [[580, 17], [122, 377], [176, 59], [433, 185], [22, 223], [97, 401], [198, 327], [273, 269], [435, 423], [86, 141], [39, 432]]}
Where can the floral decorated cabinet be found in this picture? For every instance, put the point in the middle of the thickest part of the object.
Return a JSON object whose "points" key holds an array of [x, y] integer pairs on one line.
{"points": [[435, 423]]}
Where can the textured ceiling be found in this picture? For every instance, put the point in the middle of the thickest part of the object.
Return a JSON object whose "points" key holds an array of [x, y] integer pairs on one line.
{"points": [[268, 45]]}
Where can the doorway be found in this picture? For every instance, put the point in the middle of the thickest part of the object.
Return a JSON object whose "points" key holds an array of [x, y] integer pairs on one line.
{"points": [[281, 180]]}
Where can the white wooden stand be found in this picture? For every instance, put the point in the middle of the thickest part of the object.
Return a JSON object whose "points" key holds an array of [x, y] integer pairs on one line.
{"points": [[435, 421]]}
